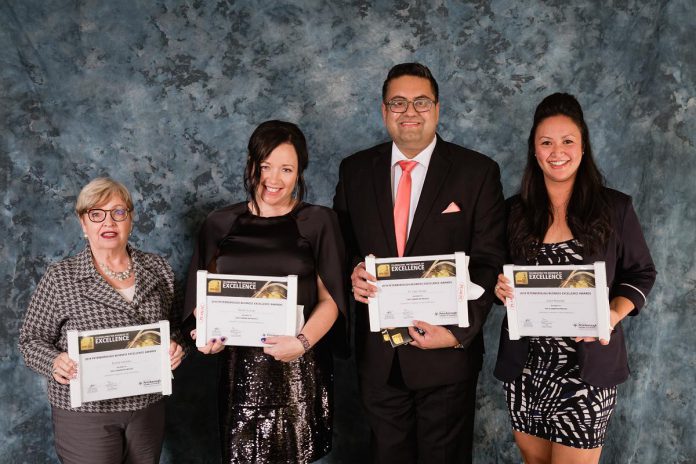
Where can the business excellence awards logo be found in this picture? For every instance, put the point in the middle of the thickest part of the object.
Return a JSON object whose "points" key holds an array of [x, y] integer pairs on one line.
{"points": [[383, 270], [521, 278], [214, 286], [86, 343]]}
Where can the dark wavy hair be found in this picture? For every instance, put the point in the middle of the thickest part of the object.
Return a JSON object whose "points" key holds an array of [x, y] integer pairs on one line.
{"points": [[588, 213], [266, 138], [410, 69]]}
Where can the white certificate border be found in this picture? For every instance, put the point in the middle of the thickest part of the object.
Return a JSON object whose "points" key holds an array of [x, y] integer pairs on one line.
{"points": [[461, 262], [201, 294], [601, 296], [74, 354]]}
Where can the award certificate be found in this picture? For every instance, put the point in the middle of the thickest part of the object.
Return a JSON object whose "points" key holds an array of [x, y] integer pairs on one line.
{"points": [[123, 361], [245, 309], [433, 289], [558, 301]]}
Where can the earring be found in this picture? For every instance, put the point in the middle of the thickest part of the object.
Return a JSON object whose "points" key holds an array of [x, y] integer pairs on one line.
{"points": [[85, 235]]}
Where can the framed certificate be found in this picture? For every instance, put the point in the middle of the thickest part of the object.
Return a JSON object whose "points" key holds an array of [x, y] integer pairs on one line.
{"points": [[245, 309], [118, 362], [558, 301], [433, 289]]}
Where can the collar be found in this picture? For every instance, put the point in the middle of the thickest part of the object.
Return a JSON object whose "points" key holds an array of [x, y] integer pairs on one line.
{"points": [[423, 158], [85, 263]]}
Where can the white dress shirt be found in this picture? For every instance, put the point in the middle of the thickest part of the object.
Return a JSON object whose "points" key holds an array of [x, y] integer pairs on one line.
{"points": [[417, 174]]}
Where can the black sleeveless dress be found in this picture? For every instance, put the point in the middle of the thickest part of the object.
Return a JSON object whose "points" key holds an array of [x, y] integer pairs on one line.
{"points": [[272, 411], [550, 400]]}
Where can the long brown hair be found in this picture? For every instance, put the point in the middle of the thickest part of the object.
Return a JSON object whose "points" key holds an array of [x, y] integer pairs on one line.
{"points": [[588, 212]]}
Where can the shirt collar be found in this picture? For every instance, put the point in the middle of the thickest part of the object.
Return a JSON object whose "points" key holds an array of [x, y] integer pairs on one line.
{"points": [[423, 158]]}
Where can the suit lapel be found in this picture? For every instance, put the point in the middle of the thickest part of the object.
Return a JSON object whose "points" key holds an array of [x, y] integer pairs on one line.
{"points": [[435, 178], [146, 282], [381, 180]]}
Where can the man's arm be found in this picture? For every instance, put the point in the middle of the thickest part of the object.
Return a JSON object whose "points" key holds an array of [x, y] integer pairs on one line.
{"points": [[488, 251]]}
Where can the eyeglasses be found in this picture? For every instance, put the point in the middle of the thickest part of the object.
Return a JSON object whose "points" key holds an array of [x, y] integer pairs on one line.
{"points": [[400, 105], [98, 215]]}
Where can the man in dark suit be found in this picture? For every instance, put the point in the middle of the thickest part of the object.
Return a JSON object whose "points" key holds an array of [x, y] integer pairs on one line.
{"points": [[420, 398]]}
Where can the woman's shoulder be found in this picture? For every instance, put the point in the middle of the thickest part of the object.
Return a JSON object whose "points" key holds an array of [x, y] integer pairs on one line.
{"points": [[148, 258], [315, 213], [224, 212]]}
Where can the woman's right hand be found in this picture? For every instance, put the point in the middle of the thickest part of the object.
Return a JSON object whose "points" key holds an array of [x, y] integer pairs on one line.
{"points": [[214, 345], [503, 289], [64, 369]]}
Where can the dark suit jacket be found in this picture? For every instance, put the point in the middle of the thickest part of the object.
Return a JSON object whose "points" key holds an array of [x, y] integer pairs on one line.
{"points": [[630, 273], [363, 202]]}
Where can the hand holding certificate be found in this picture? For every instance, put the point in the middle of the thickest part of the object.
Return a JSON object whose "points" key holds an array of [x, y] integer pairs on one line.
{"points": [[434, 289], [558, 301], [119, 362], [244, 309]]}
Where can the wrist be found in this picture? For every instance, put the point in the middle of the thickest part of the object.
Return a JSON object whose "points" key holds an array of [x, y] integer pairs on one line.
{"points": [[457, 344], [306, 346]]}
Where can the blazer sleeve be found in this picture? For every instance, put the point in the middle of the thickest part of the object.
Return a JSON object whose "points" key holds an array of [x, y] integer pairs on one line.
{"points": [[320, 226], [635, 270], [340, 206], [487, 252], [42, 325]]}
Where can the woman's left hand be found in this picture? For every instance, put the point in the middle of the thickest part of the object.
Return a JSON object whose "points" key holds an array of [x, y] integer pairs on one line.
{"points": [[176, 354], [614, 318], [283, 348]]}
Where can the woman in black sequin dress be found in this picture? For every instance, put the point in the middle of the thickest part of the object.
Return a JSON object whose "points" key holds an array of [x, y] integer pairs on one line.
{"points": [[275, 402], [561, 392]]}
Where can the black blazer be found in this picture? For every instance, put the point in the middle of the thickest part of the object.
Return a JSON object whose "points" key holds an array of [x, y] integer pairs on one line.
{"points": [[363, 202], [630, 273]]}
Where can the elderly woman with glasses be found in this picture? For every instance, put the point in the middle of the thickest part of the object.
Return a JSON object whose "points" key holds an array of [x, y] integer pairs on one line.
{"points": [[109, 284]]}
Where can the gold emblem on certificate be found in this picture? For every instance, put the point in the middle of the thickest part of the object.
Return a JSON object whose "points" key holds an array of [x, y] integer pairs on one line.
{"points": [[434, 289], [558, 301], [245, 309], [118, 362]]}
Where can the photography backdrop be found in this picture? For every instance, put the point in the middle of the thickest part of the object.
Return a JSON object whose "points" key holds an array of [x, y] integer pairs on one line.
{"points": [[163, 95]]}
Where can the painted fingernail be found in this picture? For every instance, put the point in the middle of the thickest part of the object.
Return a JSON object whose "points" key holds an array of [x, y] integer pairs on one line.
{"points": [[213, 340], [223, 339], [263, 339]]}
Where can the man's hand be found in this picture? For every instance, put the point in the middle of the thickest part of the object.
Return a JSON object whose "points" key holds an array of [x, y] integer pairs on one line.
{"points": [[434, 336], [363, 284]]}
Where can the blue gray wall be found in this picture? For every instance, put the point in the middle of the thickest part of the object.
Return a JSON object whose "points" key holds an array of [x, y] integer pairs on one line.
{"points": [[163, 95]]}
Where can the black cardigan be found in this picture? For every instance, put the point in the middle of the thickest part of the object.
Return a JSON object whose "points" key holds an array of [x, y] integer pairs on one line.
{"points": [[630, 273]]}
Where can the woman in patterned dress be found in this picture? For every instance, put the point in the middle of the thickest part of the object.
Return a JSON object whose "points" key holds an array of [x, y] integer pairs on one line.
{"points": [[109, 284], [275, 403], [561, 392]]}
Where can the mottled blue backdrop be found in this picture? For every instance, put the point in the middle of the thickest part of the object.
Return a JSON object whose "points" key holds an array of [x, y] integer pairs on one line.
{"points": [[163, 96]]}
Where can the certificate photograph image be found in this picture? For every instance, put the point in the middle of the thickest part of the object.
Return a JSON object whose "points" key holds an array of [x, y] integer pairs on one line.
{"points": [[426, 288], [558, 301], [244, 309], [120, 362]]}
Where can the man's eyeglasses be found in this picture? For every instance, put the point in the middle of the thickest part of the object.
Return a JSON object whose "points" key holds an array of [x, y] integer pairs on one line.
{"points": [[98, 215], [400, 105]]}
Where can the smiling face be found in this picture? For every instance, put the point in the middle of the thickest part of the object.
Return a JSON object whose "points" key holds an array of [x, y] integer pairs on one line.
{"points": [[108, 235], [558, 148], [277, 182], [411, 131]]}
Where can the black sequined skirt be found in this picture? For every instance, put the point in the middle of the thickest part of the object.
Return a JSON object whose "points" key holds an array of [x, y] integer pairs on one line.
{"points": [[275, 412]]}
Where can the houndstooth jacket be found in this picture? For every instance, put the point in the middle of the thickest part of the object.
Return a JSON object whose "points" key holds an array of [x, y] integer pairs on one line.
{"points": [[72, 295]]}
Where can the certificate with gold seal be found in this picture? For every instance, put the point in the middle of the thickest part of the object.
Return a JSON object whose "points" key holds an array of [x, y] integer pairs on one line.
{"points": [[244, 309], [558, 301], [118, 362], [434, 289]]}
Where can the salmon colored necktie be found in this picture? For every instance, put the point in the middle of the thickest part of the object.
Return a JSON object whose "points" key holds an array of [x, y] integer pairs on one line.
{"points": [[402, 205]]}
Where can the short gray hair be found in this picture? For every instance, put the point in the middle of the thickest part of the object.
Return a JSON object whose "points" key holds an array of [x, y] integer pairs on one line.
{"points": [[98, 191]]}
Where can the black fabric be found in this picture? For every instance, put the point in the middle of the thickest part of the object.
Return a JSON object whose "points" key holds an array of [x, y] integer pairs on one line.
{"points": [[273, 411], [630, 273]]}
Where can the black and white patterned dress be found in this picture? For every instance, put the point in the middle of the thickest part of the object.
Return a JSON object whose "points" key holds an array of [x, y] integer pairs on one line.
{"points": [[549, 399]]}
